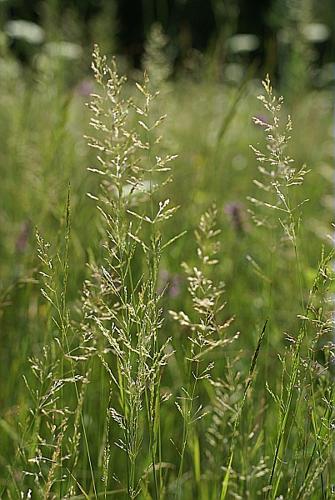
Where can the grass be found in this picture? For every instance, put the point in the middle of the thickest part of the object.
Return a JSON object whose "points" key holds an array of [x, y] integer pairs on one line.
{"points": [[174, 338]]}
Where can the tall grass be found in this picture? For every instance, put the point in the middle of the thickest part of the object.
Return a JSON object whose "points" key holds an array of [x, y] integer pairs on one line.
{"points": [[151, 381]]}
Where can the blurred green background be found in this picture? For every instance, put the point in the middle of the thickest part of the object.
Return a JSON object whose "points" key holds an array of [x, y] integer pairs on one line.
{"points": [[278, 30]]}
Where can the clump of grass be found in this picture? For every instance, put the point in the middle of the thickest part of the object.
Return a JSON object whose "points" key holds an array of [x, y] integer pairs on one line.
{"points": [[278, 208], [207, 334], [48, 449], [297, 385], [125, 305], [114, 411]]}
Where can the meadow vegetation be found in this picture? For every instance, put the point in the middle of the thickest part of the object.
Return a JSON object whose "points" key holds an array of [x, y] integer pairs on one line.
{"points": [[166, 307]]}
